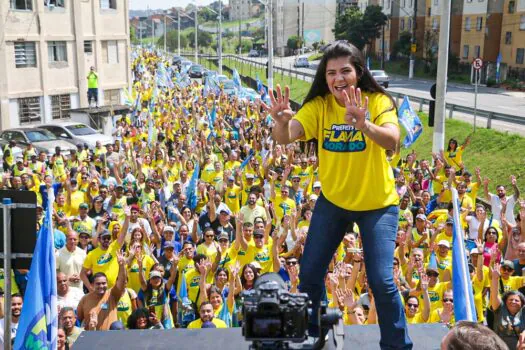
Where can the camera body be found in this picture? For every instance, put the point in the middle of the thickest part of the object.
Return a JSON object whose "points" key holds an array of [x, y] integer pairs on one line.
{"points": [[271, 313]]}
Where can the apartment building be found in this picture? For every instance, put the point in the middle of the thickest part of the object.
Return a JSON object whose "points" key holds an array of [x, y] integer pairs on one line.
{"points": [[240, 9], [433, 18], [47, 50], [481, 29], [512, 42]]}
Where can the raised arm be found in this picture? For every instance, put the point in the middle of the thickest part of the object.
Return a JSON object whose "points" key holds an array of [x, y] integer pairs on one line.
{"points": [[426, 299], [286, 130], [495, 299], [515, 187], [120, 284], [173, 271]]}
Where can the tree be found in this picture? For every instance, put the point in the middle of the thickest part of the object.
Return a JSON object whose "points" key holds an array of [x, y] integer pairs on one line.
{"points": [[402, 45], [132, 35], [294, 42], [204, 38], [172, 40], [359, 28], [316, 45]]}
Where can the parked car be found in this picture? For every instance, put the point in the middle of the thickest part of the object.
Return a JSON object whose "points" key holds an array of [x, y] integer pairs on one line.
{"points": [[41, 139], [381, 77], [253, 53], [177, 60], [301, 62], [77, 133], [229, 87], [195, 71]]}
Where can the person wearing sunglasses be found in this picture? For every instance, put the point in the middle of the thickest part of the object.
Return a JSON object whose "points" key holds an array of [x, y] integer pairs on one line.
{"points": [[413, 312], [508, 281], [436, 289], [444, 314]]}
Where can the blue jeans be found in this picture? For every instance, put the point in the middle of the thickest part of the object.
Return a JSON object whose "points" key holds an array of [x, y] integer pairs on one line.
{"points": [[378, 233]]}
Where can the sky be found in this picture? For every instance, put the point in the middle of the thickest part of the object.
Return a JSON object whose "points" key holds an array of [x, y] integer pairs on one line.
{"points": [[165, 4]]}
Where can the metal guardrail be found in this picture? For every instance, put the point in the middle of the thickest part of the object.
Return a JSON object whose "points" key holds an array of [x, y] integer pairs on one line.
{"points": [[489, 115]]}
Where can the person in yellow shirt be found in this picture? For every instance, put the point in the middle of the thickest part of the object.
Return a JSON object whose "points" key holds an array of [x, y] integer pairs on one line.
{"points": [[209, 246], [193, 278], [454, 153], [232, 195], [444, 314], [282, 204], [413, 312], [75, 197], [262, 253], [508, 281], [136, 252], [207, 318], [355, 122]]}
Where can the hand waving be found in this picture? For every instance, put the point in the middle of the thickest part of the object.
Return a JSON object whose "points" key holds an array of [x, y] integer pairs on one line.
{"points": [[356, 110], [280, 107]]}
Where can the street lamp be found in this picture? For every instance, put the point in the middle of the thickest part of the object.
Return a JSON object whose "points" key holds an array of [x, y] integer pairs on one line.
{"points": [[166, 31], [219, 49]]}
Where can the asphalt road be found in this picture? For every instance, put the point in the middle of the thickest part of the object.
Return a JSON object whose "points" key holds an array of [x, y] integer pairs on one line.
{"points": [[489, 99]]}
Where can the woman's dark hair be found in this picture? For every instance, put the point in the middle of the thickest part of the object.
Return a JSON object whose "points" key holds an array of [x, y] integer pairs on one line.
{"points": [[338, 49], [454, 141], [255, 274], [511, 293], [222, 269], [411, 297], [135, 315], [491, 228], [213, 289]]}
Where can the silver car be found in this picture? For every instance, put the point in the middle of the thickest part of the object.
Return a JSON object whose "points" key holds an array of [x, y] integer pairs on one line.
{"points": [[77, 133], [41, 139], [381, 77]]}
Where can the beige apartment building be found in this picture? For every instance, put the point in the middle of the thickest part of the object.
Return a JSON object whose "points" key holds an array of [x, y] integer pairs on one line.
{"points": [[46, 50], [513, 33]]}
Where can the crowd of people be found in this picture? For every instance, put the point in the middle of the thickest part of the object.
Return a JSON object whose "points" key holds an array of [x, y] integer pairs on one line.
{"points": [[194, 200]]}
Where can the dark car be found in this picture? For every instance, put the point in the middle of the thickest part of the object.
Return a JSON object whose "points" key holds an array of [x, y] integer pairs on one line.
{"points": [[176, 61], [195, 71]]}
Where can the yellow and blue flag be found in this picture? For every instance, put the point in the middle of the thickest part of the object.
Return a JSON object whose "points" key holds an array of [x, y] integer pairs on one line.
{"points": [[410, 121]]}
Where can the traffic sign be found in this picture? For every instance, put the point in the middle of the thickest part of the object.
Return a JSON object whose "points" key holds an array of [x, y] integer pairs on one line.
{"points": [[477, 63], [413, 48]]}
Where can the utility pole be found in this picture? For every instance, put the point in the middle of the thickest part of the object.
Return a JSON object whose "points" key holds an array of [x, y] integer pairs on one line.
{"points": [[270, 44], [240, 40], [383, 48], [441, 81], [302, 30], [196, 42], [220, 37], [178, 30], [413, 42], [165, 33]]}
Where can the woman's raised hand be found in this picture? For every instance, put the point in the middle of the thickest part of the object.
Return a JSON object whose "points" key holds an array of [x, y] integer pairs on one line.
{"points": [[280, 106], [356, 108]]}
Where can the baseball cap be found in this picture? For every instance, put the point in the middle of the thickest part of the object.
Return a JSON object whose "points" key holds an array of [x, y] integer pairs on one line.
{"points": [[432, 268], [168, 228], [134, 207], [474, 251], [249, 176], [295, 176], [421, 216], [313, 197], [154, 273], [19, 159], [98, 198], [317, 184], [226, 211], [223, 236], [104, 233], [450, 222], [177, 183], [508, 263], [444, 243], [83, 206], [119, 186], [256, 265], [231, 178], [258, 233], [168, 244]]}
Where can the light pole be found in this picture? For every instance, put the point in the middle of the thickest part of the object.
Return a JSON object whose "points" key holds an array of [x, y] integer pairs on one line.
{"points": [[196, 42], [166, 31], [270, 44], [220, 37]]}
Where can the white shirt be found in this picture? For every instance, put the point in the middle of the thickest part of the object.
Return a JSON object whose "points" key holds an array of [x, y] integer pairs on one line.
{"points": [[132, 226], [495, 205], [70, 263], [14, 328], [71, 299], [473, 226]]}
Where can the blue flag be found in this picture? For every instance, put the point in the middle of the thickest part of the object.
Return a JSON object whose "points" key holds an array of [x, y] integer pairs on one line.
{"points": [[236, 79], [191, 191], [213, 115], [410, 121], [245, 162], [464, 308], [38, 324]]}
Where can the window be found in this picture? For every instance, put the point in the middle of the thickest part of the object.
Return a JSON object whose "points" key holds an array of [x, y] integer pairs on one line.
{"points": [[57, 51], [522, 22], [60, 105], [512, 6], [519, 55], [403, 3], [110, 51], [465, 51], [29, 110], [477, 51], [25, 55], [410, 24], [479, 23], [88, 46], [508, 38], [411, 3], [108, 4], [467, 24], [54, 3], [26, 5], [402, 24], [429, 11], [112, 97]]}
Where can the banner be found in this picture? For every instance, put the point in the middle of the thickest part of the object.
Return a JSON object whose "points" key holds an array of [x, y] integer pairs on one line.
{"points": [[410, 121]]}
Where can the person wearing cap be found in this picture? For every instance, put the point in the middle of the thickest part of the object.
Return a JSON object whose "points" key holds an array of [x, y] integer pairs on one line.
{"points": [[508, 281], [168, 254], [219, 215], [58, 162], [83, 222], [206, 315], [208, 247], [118, 202], [227, 257], [19, 167], [446, 234], [103, 258], [252, 210], [420, 233], [97, 310], [304, 171], [443, 258], [232, 194], [246, 185], [262, 253], [74, 197], [137, 257], [282, 203], [436, 289]]}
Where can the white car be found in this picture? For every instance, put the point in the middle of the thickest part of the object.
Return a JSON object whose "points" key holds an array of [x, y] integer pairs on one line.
{"points": [[77, 133], [381, 77], [301, 62]]}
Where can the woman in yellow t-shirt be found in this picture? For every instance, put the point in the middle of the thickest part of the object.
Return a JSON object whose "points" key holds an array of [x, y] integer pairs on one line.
{"points": [[454, 153], [355, 122]]}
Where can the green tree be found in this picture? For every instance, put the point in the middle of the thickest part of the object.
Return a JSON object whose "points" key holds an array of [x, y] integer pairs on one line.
{"points": [[360, 28], [294, 42], [204, 38], [402, 46], [132, 35], [172, 40]]}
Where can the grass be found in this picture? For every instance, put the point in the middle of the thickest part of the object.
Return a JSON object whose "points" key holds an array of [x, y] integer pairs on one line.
{"points": [[497, 154], [230, 24], [315, 56]]}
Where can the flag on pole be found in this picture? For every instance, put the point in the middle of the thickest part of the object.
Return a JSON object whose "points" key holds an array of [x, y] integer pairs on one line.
{"points": [[191, 191], [464, 308], [245, 162], [410, 121], [38, 324], [236, 79]]}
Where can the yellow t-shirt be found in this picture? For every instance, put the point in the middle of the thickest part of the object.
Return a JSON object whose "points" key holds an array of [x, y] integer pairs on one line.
{"points": [[232, 197], [512, 283], [418, 318], [193, 279], [99, 260], [472, 191], [77, 197], [14, 286], [210, 252], [454, 158], [243, 256], [133, 272], [282, 207], [355, 169], [435, 318], [263, 256], [435, 295]]}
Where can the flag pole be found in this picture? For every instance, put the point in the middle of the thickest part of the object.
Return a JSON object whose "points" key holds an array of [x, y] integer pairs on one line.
{"points": [[7, 204]]}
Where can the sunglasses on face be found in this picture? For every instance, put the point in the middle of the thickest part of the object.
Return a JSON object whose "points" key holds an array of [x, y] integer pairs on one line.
{"points": [[412, 306], [448, 300], [432, 274], [209, 236], [105, 238], [291, 263], [508, 269]]}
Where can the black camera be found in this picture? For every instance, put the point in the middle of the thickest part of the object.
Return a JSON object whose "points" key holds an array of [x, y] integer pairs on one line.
{"points": [[271, 313]]}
